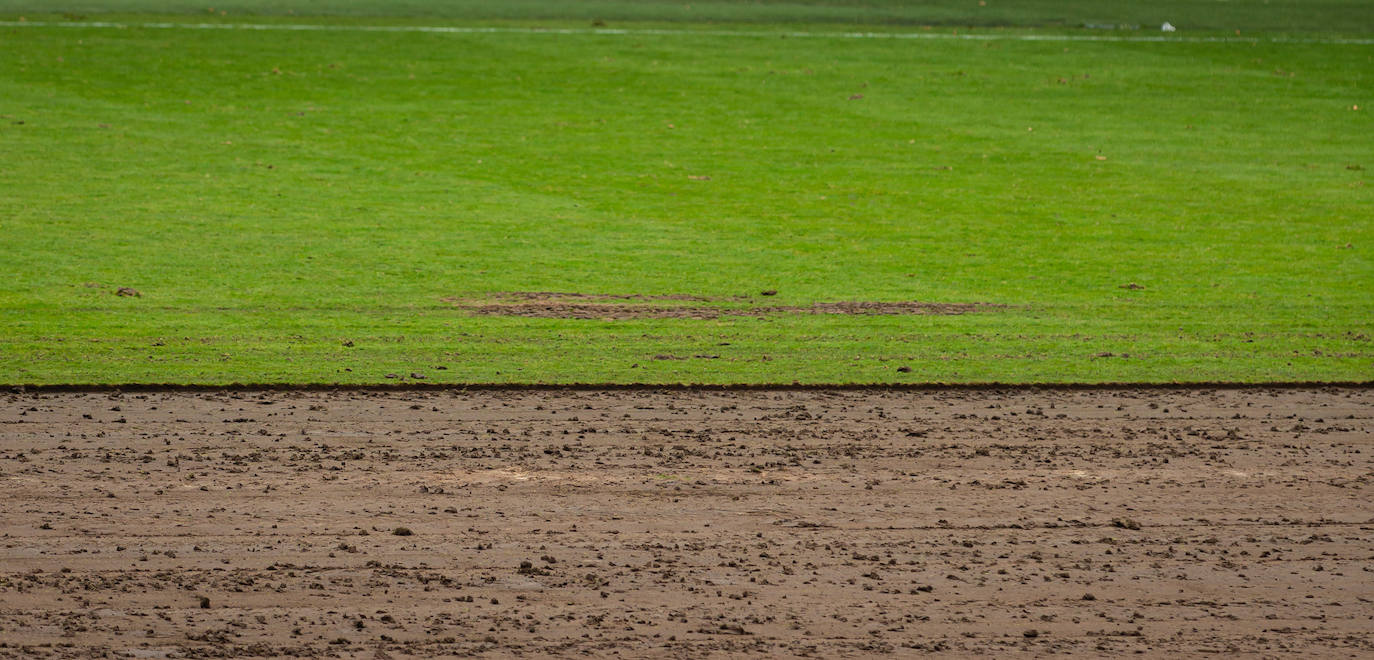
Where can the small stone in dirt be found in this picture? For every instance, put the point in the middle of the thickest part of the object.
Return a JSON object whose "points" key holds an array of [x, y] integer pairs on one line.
{"points": [[1089, 597], [128, 291], [769, 292], [904, 370], [1125, 523], [204, 602], [1031, 634], [1132, 286], [402, 531]]}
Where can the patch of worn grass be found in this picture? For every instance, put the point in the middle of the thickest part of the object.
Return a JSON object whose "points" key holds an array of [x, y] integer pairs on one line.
{"points": [[276, 196]]}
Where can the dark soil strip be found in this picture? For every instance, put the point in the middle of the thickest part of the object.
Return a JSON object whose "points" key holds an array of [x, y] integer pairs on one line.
{"points": [[604, 306], [555, 296], [613, 311]]}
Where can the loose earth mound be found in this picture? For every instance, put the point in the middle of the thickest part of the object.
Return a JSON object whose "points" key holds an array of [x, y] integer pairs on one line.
{"points": [[687, 523]]}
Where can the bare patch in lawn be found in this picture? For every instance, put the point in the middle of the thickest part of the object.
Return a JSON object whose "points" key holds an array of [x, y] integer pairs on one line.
{"points": [[539, 304]]}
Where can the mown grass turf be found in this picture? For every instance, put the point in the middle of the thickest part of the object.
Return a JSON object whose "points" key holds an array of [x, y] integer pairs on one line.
{"points": [[1330, 16], [275, 196]]}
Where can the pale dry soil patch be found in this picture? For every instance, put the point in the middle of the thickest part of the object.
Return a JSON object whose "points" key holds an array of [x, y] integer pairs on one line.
{"points": [[695, 523]]}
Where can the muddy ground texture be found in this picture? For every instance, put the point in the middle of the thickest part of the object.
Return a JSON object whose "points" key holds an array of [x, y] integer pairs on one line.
{"points": [[687, 523]]}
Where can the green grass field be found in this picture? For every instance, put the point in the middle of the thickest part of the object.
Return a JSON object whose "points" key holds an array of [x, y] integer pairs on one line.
{"points": [[1318, 16], [322, 206]]}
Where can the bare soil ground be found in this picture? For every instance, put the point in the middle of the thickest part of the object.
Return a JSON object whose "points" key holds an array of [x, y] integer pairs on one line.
{"points": [[687, 524]]}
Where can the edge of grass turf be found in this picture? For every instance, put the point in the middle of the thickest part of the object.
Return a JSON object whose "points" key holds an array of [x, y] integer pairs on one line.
{"points": [[683, 387]]}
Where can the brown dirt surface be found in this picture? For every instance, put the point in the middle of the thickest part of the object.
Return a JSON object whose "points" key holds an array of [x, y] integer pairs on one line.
{"points": [[688, 523], [545, 304]]}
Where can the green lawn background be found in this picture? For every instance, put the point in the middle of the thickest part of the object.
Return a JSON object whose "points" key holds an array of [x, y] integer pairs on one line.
{"points": [[275, 197], [1320, 16]]}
